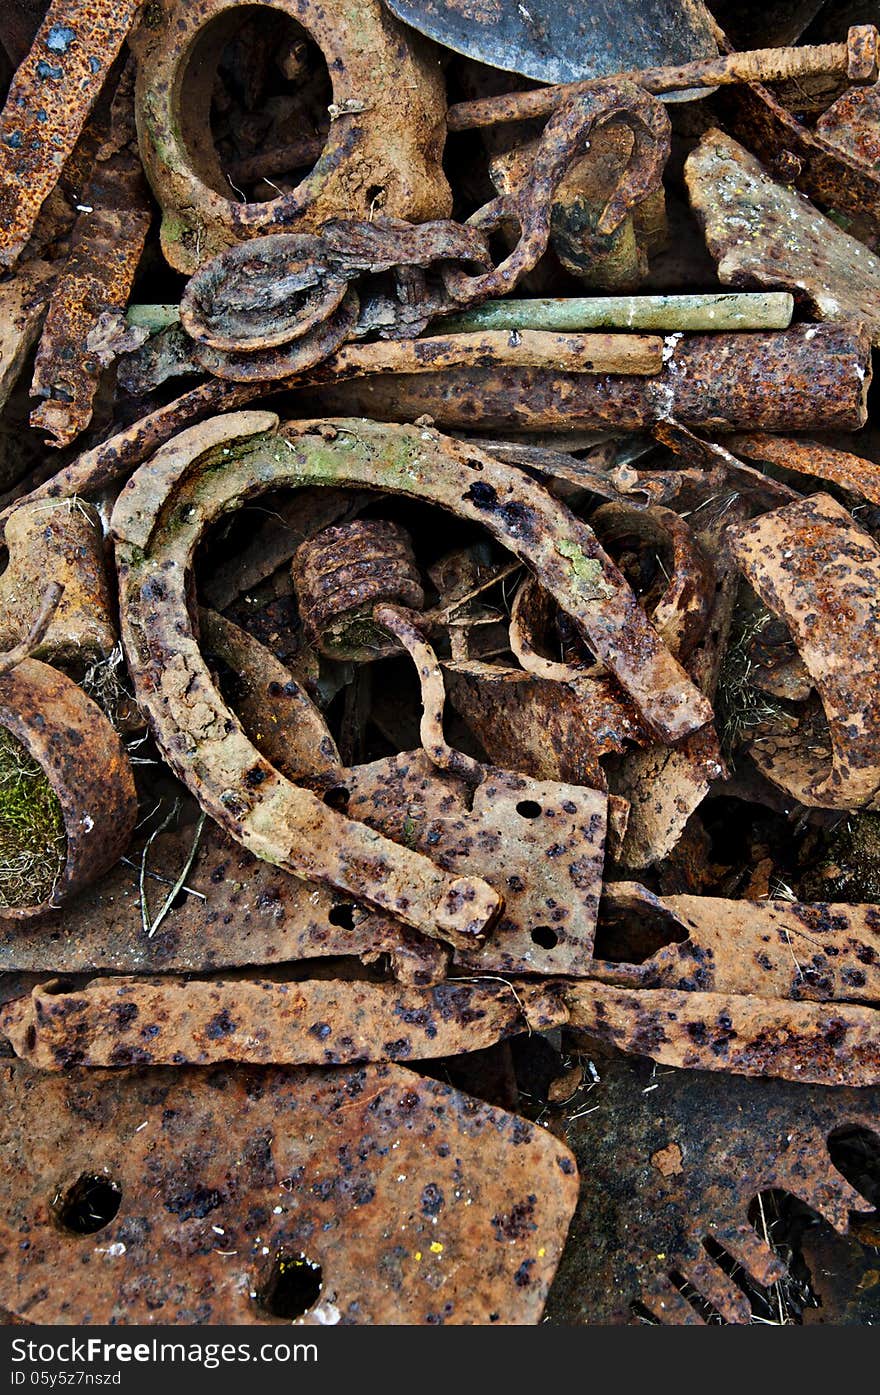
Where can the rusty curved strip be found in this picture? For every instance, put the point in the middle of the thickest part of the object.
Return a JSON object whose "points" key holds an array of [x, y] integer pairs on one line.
{"points": [[209, 470]]}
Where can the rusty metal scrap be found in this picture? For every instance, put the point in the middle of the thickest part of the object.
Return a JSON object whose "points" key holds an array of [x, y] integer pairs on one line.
{"points": [[235, 910], [387, 135], [812, 458], [810, 378], [813, 565], [668, 1219], [165, 1021], [86, 764], [48, 103], [816, 1043], [856, 57], [60, 539], [771, 949], [475, 1226], [762, 233], [22, 308], [87, 302]]}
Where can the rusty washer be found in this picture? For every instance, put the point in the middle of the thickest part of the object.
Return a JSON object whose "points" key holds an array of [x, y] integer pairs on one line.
{"points": [[387, 135]]}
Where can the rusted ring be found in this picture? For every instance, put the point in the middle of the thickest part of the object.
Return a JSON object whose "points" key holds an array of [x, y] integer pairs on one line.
{"points": [[86, 764], [295, 356], [261, 294]]}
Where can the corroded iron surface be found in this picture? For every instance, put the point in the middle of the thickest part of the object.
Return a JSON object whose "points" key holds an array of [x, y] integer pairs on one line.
{"points": [[813, 565], [63, 541], [771, 949], [387, 135], [419, 1204], [48, 104], [761, 232], [235, 911], [810, 378], [672, 1162], [326, 1022], [818, 1043]]}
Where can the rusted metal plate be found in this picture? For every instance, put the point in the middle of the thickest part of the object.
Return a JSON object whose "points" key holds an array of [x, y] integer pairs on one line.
{"points": [[825, 167], [556, 41], [326, 1022], [86, 764], [762, 233], [812, 565], [772, 949], [88, 300], [664, 785], [539, 843], [818, 1043], [671, 1165], [812, 458], [235, 910], [48, 103], [419, 1204], [809, 378]]}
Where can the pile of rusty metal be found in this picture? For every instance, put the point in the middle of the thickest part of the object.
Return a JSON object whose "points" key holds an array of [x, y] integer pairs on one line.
{"points": [[469, 674]]}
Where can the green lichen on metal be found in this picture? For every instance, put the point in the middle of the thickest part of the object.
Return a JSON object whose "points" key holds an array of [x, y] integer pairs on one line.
{"points": [[586, 570]]}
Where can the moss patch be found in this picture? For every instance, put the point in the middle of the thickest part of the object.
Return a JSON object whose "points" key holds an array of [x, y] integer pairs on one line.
{"points": [[33, 844]]}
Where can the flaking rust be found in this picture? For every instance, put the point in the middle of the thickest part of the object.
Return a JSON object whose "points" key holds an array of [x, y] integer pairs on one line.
{"points": [[414, 1203], [87, 304], [48, 104], [814, 566], [326, 1022]]}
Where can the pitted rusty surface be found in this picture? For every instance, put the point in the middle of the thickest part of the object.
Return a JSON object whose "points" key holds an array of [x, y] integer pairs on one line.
{"points": [[201, 738], [63, 541], [770, 949], [547, 728], [271, 703], [852, 125], [539, 843], [388, 133], [88, 301], [809, 378], [236, 910], [323, 1022], [663, 786], [831, 164], [48, 104], [420, 1204], [340, 574], [813, 458], [812, 565], [681, 613], [86, 764], [669, 1180], [761, 232], [261, 294], [294, 357], [817, 1043], [556, 41]]}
